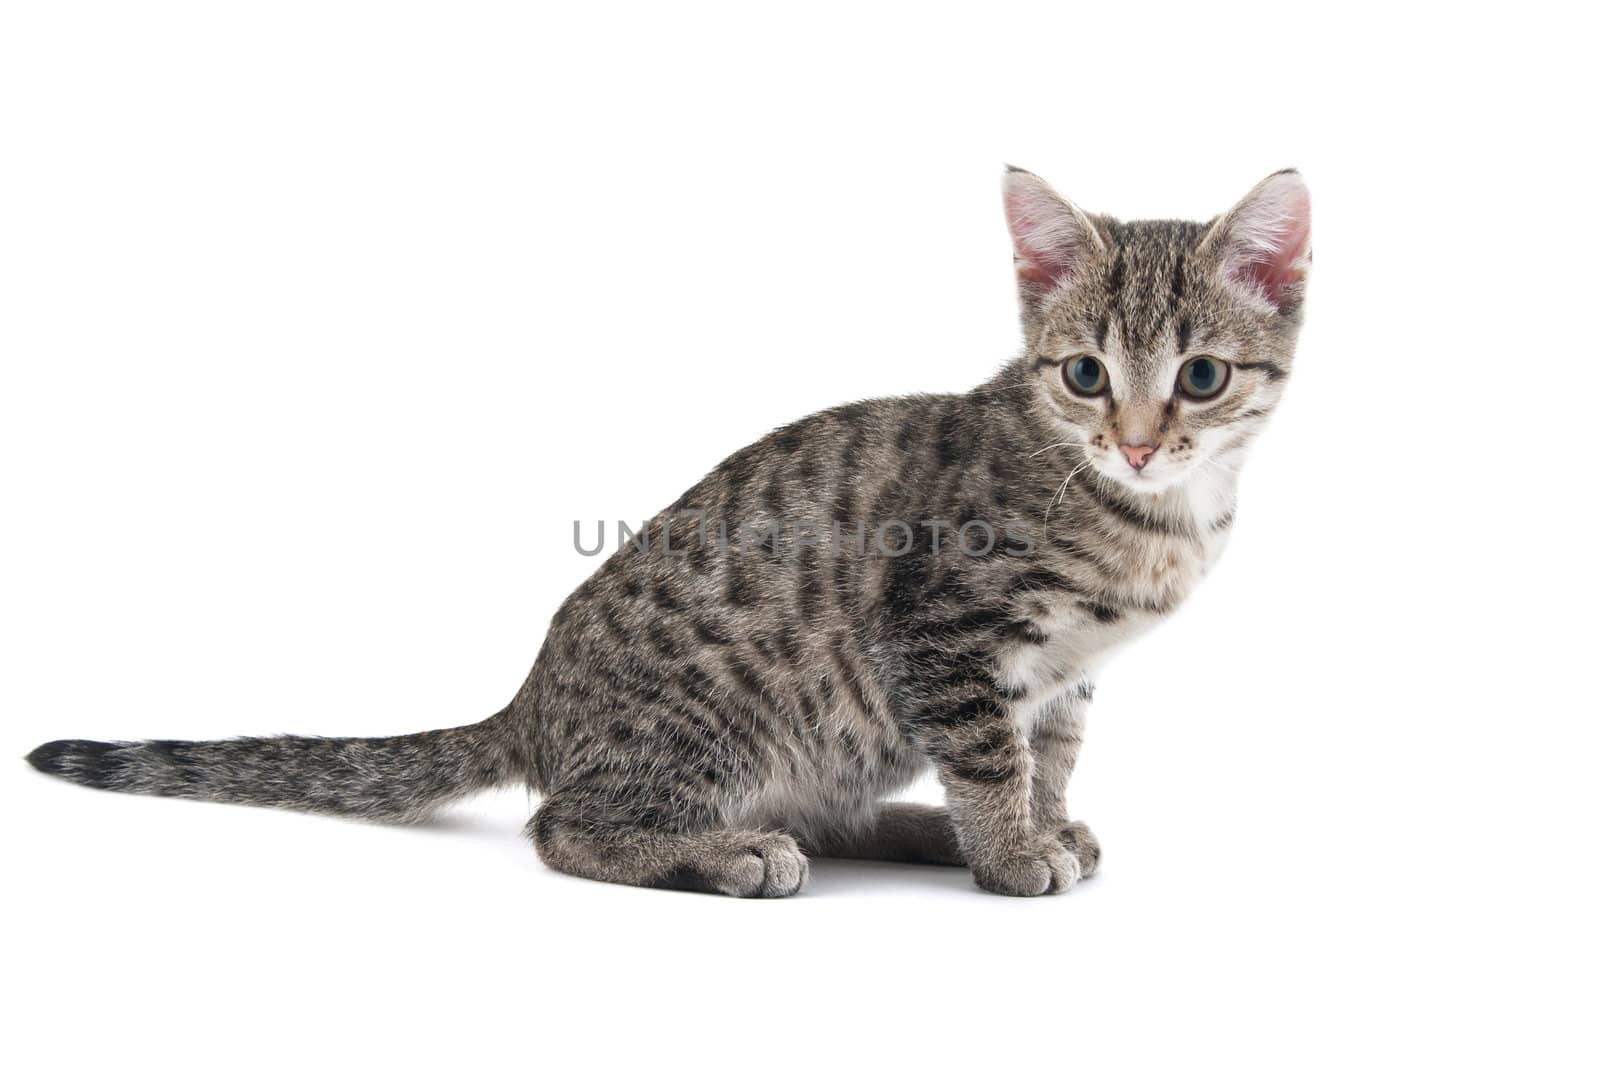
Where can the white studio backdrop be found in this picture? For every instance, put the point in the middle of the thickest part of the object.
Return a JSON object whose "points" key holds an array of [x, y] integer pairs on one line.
{"points": [[322, 323]]}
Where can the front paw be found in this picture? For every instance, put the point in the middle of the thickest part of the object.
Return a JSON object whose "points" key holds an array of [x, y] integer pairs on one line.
{"points": [[1043, 866], [1081, 842]]}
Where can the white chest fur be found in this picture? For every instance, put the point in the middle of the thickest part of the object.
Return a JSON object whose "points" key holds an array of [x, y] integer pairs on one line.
{"points": [[1159, 575]]}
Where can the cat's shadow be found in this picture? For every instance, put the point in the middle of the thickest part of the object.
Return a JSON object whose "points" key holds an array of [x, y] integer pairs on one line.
{"points": [[866, 878], [863, 878], [468, 824], [829, 877]]}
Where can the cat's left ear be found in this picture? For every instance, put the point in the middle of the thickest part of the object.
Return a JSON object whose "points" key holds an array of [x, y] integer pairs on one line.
{"points": [[1052, 240], [1264, 244]]}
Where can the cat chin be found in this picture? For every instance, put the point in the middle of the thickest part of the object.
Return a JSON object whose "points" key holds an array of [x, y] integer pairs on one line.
{"points": [[1150, 484]]}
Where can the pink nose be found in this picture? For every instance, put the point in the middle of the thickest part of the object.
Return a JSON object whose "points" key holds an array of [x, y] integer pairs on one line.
{"points": [[1138, 455]]}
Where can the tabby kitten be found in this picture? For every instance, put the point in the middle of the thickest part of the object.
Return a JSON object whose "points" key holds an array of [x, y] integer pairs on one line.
{"points": [[885, 586]]}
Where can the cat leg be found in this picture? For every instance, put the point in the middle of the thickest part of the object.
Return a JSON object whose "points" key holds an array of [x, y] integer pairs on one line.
{"points": [[987, 768], [898, 833], [1056, 737], [574, 836]]}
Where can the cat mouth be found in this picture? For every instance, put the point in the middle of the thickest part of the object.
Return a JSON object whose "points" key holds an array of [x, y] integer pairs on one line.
{"points": [[1144, 480]]}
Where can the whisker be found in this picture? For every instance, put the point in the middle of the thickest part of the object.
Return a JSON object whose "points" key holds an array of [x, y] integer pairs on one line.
{"points": [[1058, 444], [1061, 493]]}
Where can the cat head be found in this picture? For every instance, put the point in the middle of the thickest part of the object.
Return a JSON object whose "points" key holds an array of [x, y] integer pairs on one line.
{"points": [[1161, 346]]}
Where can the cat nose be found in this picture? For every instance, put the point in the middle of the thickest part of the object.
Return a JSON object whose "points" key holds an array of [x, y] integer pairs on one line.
{"points": [[1138, 455]]}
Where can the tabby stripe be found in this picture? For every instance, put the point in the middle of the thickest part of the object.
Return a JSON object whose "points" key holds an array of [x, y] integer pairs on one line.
{"points": [[851, 679], [709, 634], [1271, 370], [1079, 551], [608, 617], [1101, 612], [1026, 631], [974, 623], [722, 708], [661, 640], [713, 721], [1130, 514]]}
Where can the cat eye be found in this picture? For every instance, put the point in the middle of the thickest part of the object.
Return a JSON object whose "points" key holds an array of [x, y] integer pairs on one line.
{"points": [[1086, 376], [1202, 377]]}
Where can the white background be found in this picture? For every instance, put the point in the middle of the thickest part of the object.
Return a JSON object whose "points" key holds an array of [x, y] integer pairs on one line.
{"points": [[321, 322]]}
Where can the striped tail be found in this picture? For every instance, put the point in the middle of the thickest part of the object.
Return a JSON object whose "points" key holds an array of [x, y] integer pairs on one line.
{"points": [[389, 779]]}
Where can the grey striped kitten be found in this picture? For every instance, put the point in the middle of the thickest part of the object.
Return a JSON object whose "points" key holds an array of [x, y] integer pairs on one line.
{"points": [[868, 592]]}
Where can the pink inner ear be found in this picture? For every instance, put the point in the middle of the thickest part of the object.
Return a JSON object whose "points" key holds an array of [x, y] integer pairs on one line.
{"points": [[1270, 238], [1280, 267], [1044, 233]]}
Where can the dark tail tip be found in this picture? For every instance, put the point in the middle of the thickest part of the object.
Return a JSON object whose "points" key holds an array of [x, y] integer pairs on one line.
{"points": [[84, 762]]}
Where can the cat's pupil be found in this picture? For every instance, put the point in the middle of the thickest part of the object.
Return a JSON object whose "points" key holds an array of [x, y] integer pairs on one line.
{"points": [[1202, 374], [1086, 373]]}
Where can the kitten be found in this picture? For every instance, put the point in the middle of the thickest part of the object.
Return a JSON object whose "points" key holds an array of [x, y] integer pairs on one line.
{"points": [[885, 586]]}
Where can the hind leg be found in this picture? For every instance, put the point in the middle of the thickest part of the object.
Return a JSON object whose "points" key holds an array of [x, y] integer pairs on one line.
{"points": [[898, 833], [739, 863]]}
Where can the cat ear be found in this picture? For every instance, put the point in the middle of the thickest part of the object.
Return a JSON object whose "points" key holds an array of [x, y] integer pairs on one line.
{"points": [[1264, 243], [1052, 240]]}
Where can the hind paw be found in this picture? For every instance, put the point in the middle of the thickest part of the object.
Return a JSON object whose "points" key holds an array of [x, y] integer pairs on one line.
{"points": [[770, 865]]}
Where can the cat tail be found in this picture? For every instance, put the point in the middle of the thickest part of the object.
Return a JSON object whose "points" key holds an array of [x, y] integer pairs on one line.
{"points": [[389, 779]]}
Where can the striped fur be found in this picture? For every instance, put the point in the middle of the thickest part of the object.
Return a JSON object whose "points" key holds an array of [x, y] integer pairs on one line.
{"points": [[706, 716]]}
